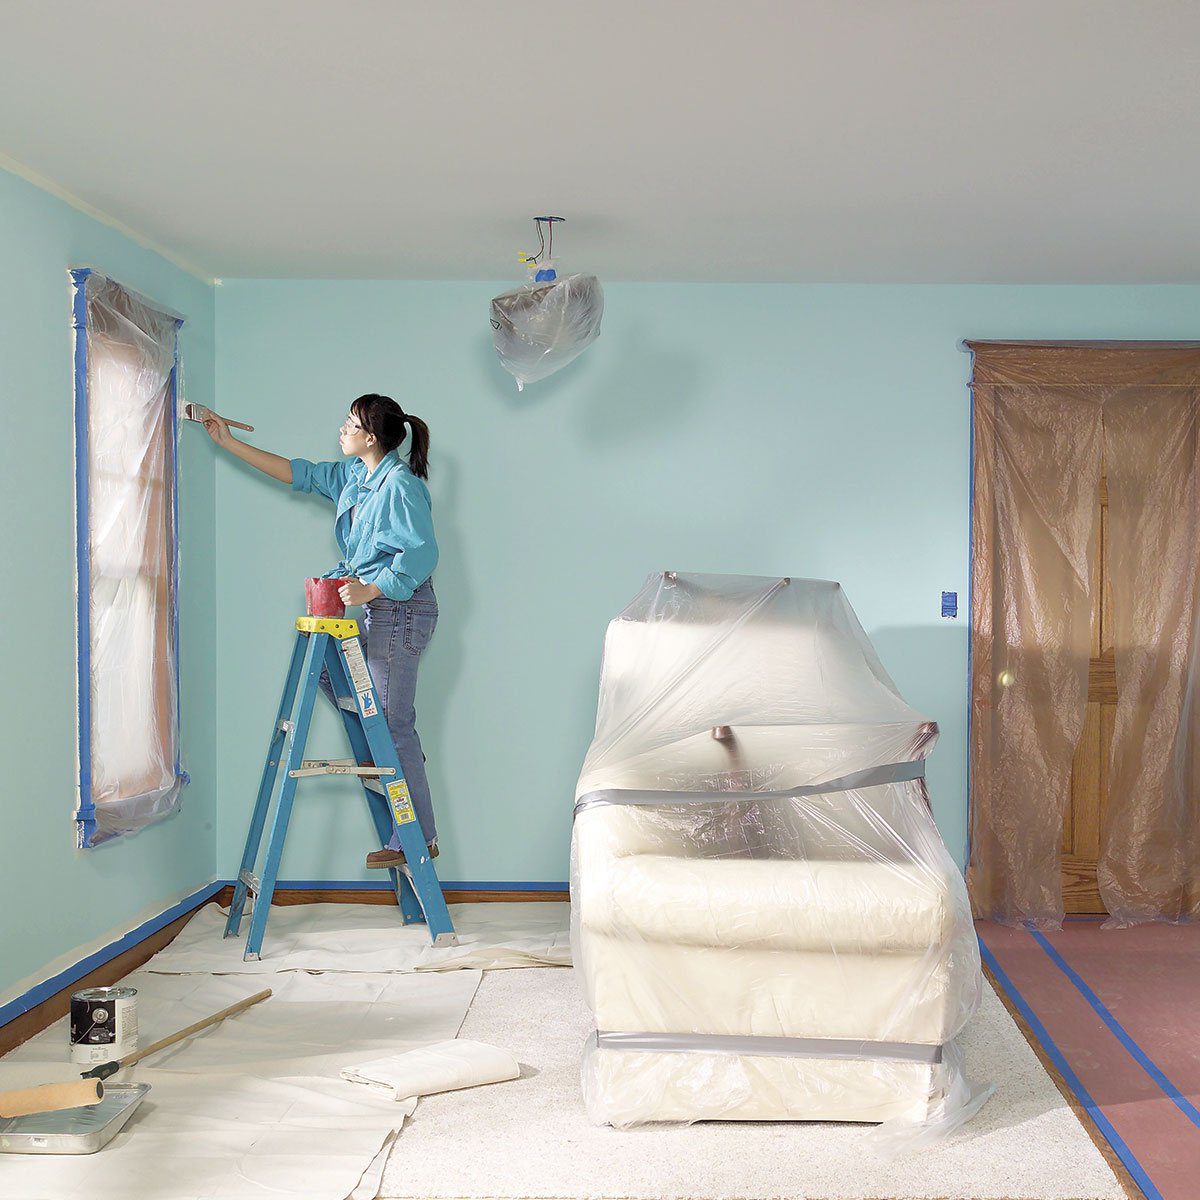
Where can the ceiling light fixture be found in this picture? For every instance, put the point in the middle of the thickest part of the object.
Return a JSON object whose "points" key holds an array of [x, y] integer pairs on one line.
{"points": [[549, 321]]}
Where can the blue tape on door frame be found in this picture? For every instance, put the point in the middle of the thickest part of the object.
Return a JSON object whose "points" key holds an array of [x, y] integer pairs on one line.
{"points": [[970, 581]]}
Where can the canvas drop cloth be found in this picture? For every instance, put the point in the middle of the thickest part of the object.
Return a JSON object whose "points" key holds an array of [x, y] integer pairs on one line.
{"points": [[254, 1107], [369, 937]]}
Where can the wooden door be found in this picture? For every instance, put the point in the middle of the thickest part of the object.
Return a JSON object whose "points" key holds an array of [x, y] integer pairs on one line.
{"points": [[1089, 775]]}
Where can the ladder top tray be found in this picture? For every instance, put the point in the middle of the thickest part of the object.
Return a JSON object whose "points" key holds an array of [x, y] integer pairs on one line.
{"points": [[334, 626]]}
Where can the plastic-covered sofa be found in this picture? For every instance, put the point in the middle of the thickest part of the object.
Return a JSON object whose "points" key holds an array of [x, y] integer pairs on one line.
{"points": [[765, 919]]}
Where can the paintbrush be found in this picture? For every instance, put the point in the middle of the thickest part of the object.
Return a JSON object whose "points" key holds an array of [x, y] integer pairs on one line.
{"points": [[197, 412]]}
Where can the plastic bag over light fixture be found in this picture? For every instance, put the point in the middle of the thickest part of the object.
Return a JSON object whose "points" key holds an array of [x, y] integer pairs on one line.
{"points": [[549, 321]]}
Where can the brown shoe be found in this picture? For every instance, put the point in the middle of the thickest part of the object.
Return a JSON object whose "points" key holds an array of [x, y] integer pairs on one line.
{"points": [[392, 858]]}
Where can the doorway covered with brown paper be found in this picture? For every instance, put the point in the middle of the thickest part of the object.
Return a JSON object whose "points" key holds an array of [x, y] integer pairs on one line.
{"points": [[1085, 554]]}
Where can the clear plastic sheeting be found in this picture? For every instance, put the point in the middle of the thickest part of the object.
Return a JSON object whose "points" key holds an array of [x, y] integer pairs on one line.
{"points": [[1049, 421], [130, 772], [540, 327], [764, 917]]}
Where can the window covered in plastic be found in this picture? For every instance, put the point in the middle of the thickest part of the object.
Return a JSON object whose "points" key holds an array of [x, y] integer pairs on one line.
{"points": [[126, 559]]}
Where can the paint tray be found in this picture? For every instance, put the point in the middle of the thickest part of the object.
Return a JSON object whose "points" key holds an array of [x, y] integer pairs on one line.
{"points": [[73, 1130]]}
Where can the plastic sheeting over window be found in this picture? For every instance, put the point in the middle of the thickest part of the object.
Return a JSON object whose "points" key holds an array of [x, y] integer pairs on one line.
{"points": [[125, 427], [1045, 418], [765, 919]]}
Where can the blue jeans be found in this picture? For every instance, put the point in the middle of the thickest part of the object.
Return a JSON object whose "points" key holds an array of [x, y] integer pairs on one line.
{"points": [[393, 634]]}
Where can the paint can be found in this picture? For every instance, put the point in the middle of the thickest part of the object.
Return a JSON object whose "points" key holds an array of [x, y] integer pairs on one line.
{"points": [[321, 598], [104, 1024]]}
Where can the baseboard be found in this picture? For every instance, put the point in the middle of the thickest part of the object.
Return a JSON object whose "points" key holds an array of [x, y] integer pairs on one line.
{"points": [[354, 891], [43, 1004]]}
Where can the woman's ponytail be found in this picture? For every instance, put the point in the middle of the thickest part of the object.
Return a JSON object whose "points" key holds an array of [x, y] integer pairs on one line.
{"points": [[385, 420], [418, 450]]}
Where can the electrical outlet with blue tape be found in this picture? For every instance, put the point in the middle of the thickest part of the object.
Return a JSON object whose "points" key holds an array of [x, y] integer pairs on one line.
{"points": [[949, 604]]}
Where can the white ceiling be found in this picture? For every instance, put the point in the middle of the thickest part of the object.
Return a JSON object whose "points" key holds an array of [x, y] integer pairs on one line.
{"points": [[853, 140]]}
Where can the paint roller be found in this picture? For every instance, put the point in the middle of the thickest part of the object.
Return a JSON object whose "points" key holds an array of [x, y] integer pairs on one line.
{"points": [[51, 1097], [197, 412]]}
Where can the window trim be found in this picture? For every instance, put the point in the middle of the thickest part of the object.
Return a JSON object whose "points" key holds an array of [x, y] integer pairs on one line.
{"points": [[85, 812]]}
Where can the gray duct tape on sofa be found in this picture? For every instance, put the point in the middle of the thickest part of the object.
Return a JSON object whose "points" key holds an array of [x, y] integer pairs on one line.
{"points": [[872, 777], [770, 1047]]}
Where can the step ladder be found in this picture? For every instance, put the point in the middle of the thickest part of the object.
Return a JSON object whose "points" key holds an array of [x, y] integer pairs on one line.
{"points": [[333, 644]]}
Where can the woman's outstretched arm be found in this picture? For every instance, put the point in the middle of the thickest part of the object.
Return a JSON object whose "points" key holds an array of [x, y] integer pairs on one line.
{"points": [[263, 460]]}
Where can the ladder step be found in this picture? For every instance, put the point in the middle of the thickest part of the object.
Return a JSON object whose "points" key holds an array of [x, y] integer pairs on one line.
{"points": [[347, 703], [345, 766], [252, 882]]}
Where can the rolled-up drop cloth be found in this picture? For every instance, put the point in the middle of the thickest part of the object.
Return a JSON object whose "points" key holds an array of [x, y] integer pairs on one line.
{"points": [[441, 1067]]}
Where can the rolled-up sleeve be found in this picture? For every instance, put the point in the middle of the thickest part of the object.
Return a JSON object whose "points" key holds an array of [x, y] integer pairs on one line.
{"points": [[406, 533], [326, 478]]}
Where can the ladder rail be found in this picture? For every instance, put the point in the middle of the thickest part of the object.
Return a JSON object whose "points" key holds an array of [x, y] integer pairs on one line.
{"points": [[266, 788], [411, 910], [418, 873], [314, 656]]}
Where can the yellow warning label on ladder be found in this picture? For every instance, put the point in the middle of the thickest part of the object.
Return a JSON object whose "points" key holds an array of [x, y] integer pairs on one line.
{"points": [[401, 802]]}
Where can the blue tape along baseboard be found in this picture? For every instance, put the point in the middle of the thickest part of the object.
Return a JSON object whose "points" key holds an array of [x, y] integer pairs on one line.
{"points": [[69, 975]]}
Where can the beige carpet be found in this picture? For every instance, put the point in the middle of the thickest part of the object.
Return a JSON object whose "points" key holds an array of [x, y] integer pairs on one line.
{"points": [[530, 1138]]}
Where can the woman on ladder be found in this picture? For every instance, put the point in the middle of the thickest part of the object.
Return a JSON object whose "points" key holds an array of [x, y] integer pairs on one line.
{"points": [[384, 527]]}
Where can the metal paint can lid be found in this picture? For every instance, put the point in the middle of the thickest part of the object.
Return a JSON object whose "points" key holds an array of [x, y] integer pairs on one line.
{"points": [[105, 993]]}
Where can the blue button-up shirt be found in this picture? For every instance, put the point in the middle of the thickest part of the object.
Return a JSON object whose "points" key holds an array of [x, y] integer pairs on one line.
{"points": [[388, 538]]}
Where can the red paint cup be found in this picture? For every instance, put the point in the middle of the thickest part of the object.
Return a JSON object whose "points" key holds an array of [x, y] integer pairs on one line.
{"points": [[321, 598]]}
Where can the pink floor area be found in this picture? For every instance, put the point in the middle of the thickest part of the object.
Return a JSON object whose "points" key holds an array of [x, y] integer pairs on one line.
{"points": [[1118, 1010]]}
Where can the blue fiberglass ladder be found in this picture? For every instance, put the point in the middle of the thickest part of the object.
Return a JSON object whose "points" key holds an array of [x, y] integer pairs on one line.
{"points": [[332, 644]]}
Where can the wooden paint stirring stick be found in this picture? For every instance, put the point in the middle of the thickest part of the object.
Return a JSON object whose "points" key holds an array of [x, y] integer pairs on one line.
{"points": [[104, 1070]]}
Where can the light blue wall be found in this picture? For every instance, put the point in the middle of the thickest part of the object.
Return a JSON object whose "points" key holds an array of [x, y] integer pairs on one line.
{"points": [[814, 431], [55, 898], [819, 431]]}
